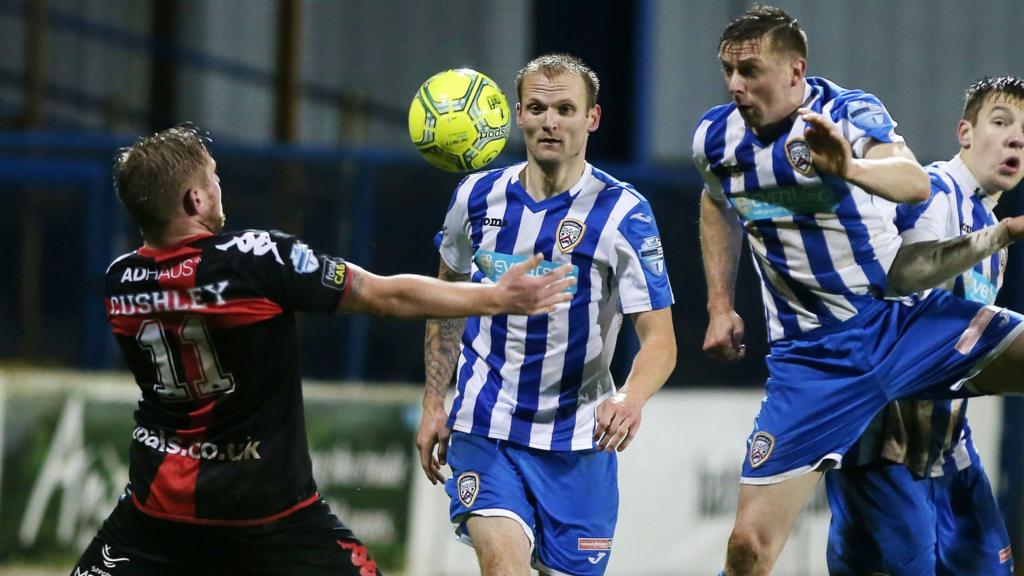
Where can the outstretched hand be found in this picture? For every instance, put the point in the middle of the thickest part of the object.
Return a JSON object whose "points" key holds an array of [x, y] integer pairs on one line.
{"points": [[724, 338], [524, 294], [830, 152]]}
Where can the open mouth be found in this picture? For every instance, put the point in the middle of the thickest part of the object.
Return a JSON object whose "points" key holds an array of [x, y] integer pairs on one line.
{"points": [[1010, 165]]}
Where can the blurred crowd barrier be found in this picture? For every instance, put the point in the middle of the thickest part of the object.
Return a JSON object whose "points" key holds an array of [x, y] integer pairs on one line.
{"points": [[65, 438]]}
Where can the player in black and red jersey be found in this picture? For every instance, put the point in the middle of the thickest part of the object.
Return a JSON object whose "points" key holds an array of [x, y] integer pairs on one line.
{"points": [[220, 474]]}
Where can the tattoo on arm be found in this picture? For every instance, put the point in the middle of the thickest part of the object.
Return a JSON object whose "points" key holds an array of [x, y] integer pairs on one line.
{"points": [[441, 345]]}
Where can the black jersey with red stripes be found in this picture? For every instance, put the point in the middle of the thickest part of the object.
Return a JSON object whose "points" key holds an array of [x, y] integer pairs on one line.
{"points": [[208, 329]]}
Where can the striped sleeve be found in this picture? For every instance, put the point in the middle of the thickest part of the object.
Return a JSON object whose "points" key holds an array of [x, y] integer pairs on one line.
{"points": [[863, 119], [931, 220]]}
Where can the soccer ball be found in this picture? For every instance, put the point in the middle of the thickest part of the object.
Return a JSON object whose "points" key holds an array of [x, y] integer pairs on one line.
{"points": [[459, 120]]}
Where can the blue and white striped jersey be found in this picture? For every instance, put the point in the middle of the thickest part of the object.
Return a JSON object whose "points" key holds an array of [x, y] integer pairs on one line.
{"points": [[821, 245], [537, 380], [933, 438]]}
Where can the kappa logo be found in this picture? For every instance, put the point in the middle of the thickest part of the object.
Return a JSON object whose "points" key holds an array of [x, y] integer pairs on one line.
{"points": [[469, 487], [799, 155], [108, 559], [258, 244], [570, 232], [761, 448]]}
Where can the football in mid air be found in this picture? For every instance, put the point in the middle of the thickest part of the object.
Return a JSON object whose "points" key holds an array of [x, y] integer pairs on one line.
{"points": [[459, 120]]}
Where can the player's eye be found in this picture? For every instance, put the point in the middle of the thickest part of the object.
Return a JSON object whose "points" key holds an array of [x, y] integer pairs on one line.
{"points": [[567, 110]]}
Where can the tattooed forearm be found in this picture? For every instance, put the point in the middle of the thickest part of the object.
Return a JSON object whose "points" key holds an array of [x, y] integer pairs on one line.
{"points": [[441, 351], [441, 345]]}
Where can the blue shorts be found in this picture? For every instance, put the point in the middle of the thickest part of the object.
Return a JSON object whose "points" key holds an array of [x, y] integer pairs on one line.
{"points": [[567, 502], [885, 520], [823, 389]]}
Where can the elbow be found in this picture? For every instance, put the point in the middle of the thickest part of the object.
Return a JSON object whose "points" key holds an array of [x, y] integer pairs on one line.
{"points": [[922, 187]]}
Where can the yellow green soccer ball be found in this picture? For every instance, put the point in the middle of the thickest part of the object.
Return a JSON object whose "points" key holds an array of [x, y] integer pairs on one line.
{"points": [[459, 120]]}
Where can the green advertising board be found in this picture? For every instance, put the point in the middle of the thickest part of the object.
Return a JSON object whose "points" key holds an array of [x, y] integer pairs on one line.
{"points": [[65, 438]]}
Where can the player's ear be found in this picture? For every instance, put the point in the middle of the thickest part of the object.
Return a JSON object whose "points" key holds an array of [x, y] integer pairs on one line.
{"points": [[965, 133], [799, 68], [191, 201], [519, 114], [593, 118]]}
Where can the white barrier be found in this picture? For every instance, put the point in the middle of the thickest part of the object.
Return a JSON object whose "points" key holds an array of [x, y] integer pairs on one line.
{"points": [[678, 486]]}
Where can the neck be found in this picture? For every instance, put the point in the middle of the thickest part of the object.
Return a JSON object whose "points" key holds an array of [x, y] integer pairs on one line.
{"points": [[544, 181], [174, 233], [968, 159]]}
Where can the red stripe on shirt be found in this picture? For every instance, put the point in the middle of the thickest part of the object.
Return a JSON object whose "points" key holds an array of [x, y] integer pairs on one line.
{"points": [[234, 313], [212, 522]]}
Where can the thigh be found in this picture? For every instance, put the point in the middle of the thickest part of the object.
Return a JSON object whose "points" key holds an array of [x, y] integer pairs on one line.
{"points": [[883, 520], [945, 340], [577, 500], [102, 557], [973, 540], [310, 542], [485, 483], [500, 544], [767, 512]]}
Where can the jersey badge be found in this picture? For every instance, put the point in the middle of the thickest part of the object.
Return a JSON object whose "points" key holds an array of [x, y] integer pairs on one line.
{"points": [[303, 259], [570, 232], [799, 155], [469, 487], [761, 448], [652, 256], [335, 274]]}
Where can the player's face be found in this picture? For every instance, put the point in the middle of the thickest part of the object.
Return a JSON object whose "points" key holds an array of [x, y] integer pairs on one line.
{"points": [[993, 147], [211, 214], [554, 117], [765, 84]]}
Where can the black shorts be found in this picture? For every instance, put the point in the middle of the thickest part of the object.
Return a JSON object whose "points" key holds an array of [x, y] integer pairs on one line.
{"points": [[311, 541]]}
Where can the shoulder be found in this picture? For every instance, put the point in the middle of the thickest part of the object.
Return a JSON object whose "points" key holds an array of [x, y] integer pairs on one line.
{"points": [[253, 244], [621, 189], [941, 179]]}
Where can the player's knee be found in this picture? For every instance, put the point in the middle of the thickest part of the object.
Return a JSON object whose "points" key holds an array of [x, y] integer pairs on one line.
{"points": [[746, 552]]}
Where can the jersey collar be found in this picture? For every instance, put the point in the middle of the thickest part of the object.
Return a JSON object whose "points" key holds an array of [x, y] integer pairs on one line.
{"points": [[965, 178]]}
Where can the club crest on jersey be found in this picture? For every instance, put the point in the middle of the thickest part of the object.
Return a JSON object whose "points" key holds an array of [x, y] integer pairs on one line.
{"points": [[761, 448], [469, 487], [799, 155], [570, 232]]}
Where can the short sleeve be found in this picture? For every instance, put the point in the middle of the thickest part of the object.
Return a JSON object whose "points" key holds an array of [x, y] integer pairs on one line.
{"points": [[930, 220], [453, 241], [712, 184], [295, 276], [640, 263], [863, 119]]}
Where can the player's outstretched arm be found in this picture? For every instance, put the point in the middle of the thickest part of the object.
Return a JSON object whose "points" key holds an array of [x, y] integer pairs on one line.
{"points": [[413, 296], [440, 355], [925, 265], [618, 417], [720, 240], [889, 170]]}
